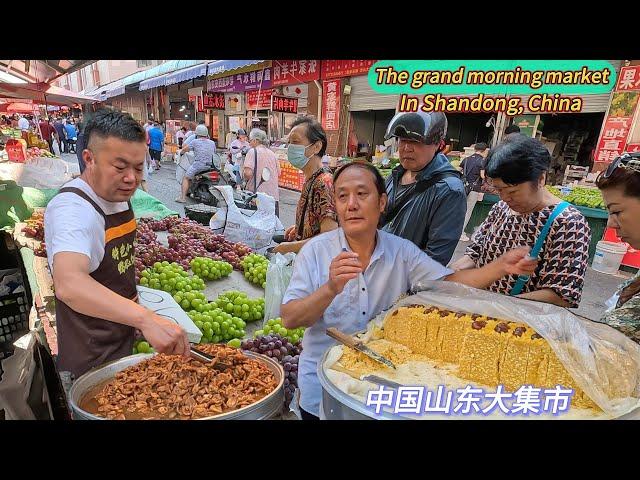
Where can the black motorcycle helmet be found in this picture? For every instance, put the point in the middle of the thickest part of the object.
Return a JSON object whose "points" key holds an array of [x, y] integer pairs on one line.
{"points": [[428, 128]]}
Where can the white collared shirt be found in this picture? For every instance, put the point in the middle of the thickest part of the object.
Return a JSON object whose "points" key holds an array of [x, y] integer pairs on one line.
{"points": [[396, 266], [23, 124]]}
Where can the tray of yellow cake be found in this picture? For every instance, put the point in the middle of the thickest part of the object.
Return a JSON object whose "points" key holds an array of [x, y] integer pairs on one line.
{"points": [[452, 338]]}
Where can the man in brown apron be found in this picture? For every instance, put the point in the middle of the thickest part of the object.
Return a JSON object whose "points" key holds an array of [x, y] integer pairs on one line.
{"points": [[96, 309]]}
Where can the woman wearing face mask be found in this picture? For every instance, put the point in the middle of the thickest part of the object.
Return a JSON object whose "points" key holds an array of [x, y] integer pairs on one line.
{"points": [[517, 169], [620, 186], [316, 212]]}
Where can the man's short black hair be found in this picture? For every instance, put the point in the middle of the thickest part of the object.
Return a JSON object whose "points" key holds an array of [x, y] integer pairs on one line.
{"points": [[106, 123], [512, 129], [481, 147], [378, 179]]}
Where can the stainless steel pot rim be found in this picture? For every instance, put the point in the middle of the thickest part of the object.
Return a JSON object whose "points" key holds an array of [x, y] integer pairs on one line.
{"points": [[353, 404], [75, 391]]}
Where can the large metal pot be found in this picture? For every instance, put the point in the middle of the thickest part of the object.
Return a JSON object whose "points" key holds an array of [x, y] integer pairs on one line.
{"points": [[337, 405], [268, 407]]}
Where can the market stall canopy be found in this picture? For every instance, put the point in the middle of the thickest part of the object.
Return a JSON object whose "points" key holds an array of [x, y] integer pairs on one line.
{"points": [[166, 67], [223, 68], [156, 78], [42, 93], [109, 90], [17, 108], [36, 71]]}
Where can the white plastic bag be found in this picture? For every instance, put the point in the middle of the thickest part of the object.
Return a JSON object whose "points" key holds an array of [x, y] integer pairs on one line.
{"points": [[279, 274], [252, 227]]}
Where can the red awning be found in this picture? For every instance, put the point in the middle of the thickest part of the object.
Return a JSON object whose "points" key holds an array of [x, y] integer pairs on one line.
{"points": [[42, 93], [18, 107]]}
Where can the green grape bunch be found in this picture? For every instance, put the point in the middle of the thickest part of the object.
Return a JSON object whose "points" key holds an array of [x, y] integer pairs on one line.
{"points": [[171, 278], [255, 269], [209, 269], [274, 326], [241, 306]]}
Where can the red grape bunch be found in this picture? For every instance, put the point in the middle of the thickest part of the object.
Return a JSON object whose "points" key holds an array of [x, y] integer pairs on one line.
{"points": [[282, 350]]}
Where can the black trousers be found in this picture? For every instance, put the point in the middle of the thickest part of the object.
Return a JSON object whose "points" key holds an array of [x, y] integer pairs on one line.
{"points": [[155, 154], [308, 416]]}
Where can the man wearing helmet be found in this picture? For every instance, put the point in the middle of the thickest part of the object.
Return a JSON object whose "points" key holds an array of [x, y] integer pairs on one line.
{"points": [[238, 148], [204, 150], [427, 201]]}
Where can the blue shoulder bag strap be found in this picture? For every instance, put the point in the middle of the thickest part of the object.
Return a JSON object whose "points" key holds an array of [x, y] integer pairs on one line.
{"points": [[535, 251]]}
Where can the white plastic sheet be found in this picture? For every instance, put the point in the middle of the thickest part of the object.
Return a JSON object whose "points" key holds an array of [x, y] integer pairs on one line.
{"points": [[599, 358], [40, 172]]}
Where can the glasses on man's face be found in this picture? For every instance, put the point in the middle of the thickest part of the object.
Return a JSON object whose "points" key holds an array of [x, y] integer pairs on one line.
{"points": [[626, 160]]}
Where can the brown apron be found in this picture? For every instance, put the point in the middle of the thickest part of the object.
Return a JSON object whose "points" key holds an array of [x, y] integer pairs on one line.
{"points": [[86, 342]]}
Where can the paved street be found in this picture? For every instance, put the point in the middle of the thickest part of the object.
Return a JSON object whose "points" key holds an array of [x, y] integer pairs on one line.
{"points": [[163, 185]]}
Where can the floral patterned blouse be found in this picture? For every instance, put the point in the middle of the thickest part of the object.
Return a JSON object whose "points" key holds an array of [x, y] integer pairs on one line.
{"points": [[320, 204], [626, 317], [563, 258]]}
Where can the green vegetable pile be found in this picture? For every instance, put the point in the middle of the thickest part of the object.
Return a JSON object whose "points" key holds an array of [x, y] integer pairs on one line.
{"points": [[580, 196]]}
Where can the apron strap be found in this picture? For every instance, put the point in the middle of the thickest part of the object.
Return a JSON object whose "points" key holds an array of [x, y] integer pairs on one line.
{"points": [[535, 251], [82, 194]]}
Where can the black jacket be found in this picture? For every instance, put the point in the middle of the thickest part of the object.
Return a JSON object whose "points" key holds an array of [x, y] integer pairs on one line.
{"points": [[432, 219]]}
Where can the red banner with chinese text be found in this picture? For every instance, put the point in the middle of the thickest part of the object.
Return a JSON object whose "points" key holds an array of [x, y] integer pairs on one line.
{"points": [[331, 104], [258, 99], [345, 68], [284, 104], [290, 72], [624, 103]]}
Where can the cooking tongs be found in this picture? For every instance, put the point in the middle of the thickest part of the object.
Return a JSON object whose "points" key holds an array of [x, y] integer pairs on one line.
{"points": [[206, 358]]}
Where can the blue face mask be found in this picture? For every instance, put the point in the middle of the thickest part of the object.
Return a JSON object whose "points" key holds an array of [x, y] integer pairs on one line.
{"points": [[296, 157]]}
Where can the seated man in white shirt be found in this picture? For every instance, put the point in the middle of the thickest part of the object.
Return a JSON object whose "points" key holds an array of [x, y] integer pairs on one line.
{"points": [[345, 277]]}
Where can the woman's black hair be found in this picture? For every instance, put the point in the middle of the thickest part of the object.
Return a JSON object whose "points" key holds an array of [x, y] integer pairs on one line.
{"points": [[378, 179], [315, 132], [521, 159]]}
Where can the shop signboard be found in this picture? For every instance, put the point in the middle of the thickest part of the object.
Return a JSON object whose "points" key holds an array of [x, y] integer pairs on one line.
{"points": [[200, 106], [284, 104], [241, 82], [618, 124], [613, 138], [345, 68], [331, 104], [213, 100], [259, 99], [629, 79], [289, 72]]}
